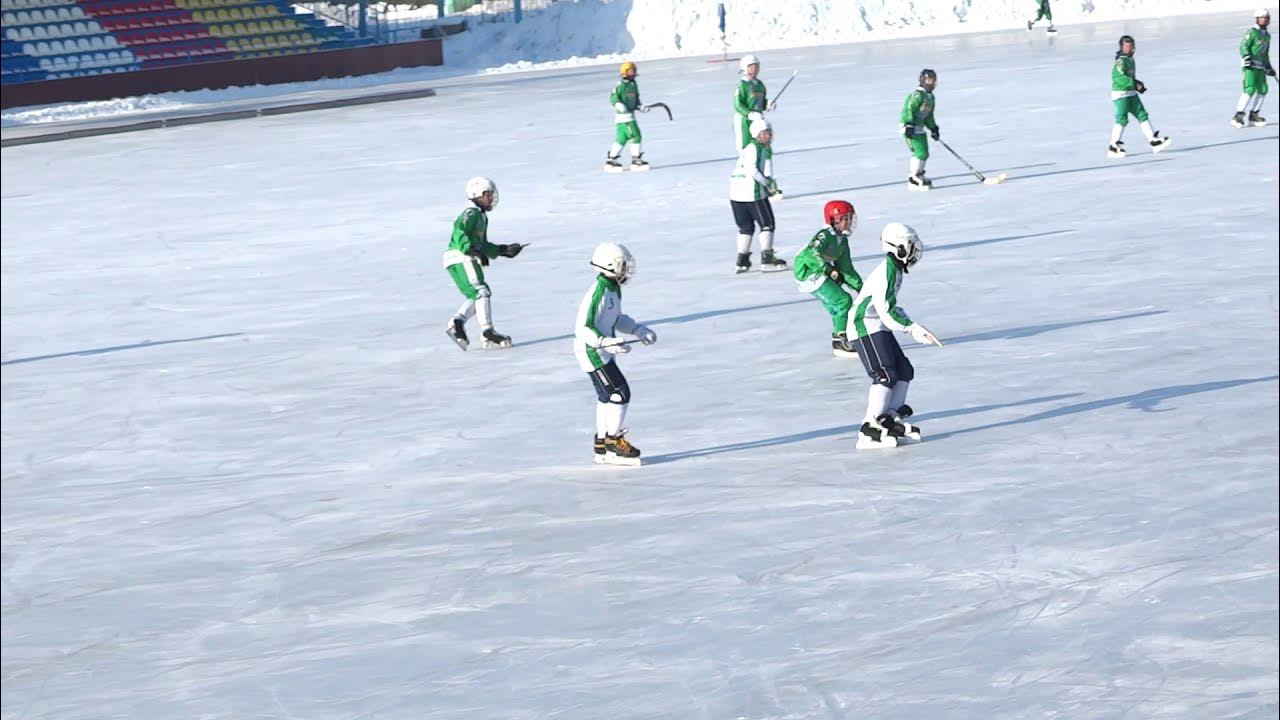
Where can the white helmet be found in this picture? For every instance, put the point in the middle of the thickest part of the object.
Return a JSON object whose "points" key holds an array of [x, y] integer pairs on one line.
{"points": [[614, 261], [758, 126], [902, 242], [478, 186], [1262, 13], [747, 61]]}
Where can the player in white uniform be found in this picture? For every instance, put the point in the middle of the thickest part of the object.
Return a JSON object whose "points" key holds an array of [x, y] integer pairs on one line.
{"points": [[750, 187]]}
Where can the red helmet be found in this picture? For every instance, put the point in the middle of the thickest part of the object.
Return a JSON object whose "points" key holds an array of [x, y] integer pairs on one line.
{"points": [[835, 209]]}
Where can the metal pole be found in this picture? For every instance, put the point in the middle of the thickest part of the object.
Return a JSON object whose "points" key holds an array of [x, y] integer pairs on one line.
{"points": [[519, 14], [439, 9], [363, 25]]}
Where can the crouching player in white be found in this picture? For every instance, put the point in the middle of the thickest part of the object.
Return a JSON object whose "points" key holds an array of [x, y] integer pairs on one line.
{"points": [[876, 315], [595, 345]]}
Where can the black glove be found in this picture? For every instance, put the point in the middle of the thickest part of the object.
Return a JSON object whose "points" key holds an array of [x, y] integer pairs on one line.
{"points": [[1139, 86], [909, 130], [936, 134], [1271, 72], [484, 260], [836, 276], [511, 250]]}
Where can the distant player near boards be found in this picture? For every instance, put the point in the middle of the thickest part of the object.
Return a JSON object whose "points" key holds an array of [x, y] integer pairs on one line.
{"points": [[917, 126], [468, 252], [1043, 11], [1255, 63], [1125, 88], [625, 99], [824, 267]]}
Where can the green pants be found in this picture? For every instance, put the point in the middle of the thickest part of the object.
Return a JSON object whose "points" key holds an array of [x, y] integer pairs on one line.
{"points": [[1255, 81], [1045, 12], [627, 132], [469, 278], [1127, 106], [837, 302], [919, 144]]}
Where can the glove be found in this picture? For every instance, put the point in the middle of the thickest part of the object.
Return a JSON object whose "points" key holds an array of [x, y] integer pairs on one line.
{"points": [[619, 107], [754, 116], [510, 251], [909, 130], [921, 334], [936, 134], [647, 336], [836, 276], [613, 345], [1139, 86], [772, 187], [772, 104], [1271, 72]]}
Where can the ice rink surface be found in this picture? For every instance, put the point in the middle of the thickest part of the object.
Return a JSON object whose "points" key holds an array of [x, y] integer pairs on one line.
{"points": [[246, 475]]}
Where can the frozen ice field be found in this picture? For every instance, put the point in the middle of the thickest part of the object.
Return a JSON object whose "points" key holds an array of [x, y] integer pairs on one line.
{"points": [[246, 475]]}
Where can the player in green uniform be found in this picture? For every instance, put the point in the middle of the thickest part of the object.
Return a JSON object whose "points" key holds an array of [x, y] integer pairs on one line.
{"points": [[750, 100], [468, 252], [1043, 11], [1125, 88], [1255, 62], [918, 125], [824, 267], [625, 99]]}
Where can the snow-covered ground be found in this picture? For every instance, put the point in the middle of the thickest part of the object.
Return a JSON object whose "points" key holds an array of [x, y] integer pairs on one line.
{"points": [[575, 33], [245, 474]]}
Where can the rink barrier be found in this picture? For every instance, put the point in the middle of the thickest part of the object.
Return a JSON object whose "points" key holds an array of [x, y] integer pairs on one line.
{"points": [[215, 75], [181, 120]]}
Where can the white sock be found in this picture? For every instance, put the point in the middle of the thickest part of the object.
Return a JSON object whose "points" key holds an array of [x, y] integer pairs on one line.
{"points": [[614, 151], [484, 313], [877, 401], [466, 310], [766, 239], [1245, 99], [898, 395], [635, 150], [1117, 132], [1257, 102], [602, 419], [917, 166], [614, 415], [1147, 130], [744, 243]]}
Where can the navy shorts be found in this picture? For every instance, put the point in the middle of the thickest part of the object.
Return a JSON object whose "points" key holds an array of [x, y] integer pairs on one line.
{"points": [[883, 359]]}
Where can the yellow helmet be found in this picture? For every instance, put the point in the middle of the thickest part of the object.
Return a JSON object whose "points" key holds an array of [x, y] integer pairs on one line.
{"points": [[626, 67]]}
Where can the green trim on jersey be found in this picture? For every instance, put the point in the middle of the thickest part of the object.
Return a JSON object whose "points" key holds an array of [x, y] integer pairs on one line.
{"points": [[602, 284]]}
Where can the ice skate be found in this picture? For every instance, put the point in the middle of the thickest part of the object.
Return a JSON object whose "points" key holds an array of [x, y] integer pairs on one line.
{"points": [[1116, 151], [873, 436], [1238, 120], [619, 451], [611, 165], [1030, 23], [744, 263], [842, 347], [638, 163], [495, 340], [1257, 120], [919, 183], [457, 332], [599, 448], [1051, 29], [1160, 142], [769, 262], [908, 430]]}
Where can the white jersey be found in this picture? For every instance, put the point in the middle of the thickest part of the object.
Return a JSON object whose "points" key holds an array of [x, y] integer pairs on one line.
{"points": [[876, 307], [751, 176], [599, 315]]}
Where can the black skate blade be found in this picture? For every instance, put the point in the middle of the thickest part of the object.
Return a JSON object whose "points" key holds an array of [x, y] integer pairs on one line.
{"points": [[611, 459]]}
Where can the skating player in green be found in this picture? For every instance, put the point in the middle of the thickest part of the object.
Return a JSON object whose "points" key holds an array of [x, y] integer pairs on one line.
{"points": [[1043, 12], [824, 268], [468, 252], [1125, 88], [1255, 63], [918, 126], [625, 99]]}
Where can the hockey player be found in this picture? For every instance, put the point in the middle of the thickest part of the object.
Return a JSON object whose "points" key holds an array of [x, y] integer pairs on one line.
{"points": [[750, 102], [1125, 89], [1255, 62], [626, 101], [917, 119], [470, 250], [1043, 11], [876, 316], [824, 266], [750, 187], [596, 345]]}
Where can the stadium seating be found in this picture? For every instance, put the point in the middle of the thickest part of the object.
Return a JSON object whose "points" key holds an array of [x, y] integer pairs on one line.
{"points": [[50, 39]]}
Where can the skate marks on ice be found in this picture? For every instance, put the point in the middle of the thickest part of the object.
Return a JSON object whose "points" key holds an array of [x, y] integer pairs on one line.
{"points": [[901, 182], [933, 249], [1146, 401], [118, 348], [849, 430], [1113, 165], [1016, 333], [1207, 146], [713, 161]]}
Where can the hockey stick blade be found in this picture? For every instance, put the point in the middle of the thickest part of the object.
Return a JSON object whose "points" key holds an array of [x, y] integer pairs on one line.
{"points": [[995, 180], [664, 107]]}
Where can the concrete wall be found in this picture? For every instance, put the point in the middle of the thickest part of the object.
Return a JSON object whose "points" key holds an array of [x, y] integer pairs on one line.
{"points": [[228, 73]]}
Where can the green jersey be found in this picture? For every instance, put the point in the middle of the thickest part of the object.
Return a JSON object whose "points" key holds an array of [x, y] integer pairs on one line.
{"points": [[1123, 82], [470, 238], [1255, 49], [827, 250], [918, 109], [625, 99], [750, 97]]}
